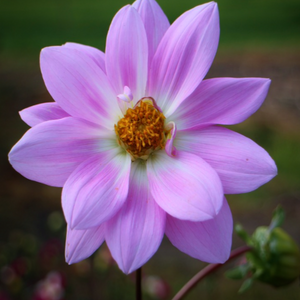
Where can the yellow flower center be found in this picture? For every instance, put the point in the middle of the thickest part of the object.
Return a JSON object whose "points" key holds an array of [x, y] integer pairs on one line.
{"points": [[141, 131]]}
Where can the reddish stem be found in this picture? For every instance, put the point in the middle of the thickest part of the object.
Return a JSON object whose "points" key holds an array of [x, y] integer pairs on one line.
{"points": [[138, 282], [206, 271]]}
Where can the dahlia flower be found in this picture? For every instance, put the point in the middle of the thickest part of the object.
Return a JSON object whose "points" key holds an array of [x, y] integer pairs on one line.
{"points": [[133, 141]]}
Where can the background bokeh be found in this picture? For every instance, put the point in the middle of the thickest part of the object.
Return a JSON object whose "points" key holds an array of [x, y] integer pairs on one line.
{"points": [[258, 38]]}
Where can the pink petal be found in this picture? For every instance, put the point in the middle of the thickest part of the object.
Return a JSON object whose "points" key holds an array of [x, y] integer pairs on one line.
{"points": [[81, 244], [209, 241], [97, 55], [134, 234], [184, 56], [241, 164], [124, 100], [39, 113], [169, 147], [79, 86], [155, 21], [50, 152], [126, 54], [221, 101], [185, 186], [97, 189]]}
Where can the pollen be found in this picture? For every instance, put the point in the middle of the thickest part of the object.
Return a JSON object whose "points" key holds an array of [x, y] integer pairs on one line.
{"points": [[141, 131]]}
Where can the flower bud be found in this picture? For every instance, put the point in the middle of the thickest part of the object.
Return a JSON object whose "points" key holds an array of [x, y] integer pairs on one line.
{"points": [[275, 258]]}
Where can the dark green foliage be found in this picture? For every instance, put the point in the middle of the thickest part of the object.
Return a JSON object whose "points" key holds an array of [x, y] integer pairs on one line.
{"points": [[28, 26]]}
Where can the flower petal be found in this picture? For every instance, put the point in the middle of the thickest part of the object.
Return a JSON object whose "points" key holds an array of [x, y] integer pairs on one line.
{"points": [[81, 244], [79, 86], [209, 241], [221, 101], [169, 146], [97, 55], [50, 152], [126, 53], [155, 21], [97, 189], [39, 113], [241, 164], [184, 56], [134, 234], [185, 186]]}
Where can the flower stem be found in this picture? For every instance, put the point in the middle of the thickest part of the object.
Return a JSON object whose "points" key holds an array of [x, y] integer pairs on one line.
{"points": [[206, 271], [138, 281]]}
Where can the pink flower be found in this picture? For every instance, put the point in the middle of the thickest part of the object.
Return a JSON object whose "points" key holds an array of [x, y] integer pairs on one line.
{"points": [[51, 288], [133, 141]]}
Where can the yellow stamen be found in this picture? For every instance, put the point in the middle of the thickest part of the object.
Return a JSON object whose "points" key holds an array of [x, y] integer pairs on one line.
{"points": [[141, 131]]}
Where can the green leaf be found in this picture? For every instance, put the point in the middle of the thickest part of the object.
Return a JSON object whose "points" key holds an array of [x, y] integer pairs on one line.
{"points": [[240, 231], [238, 272], [246, 285], [277, 218]]}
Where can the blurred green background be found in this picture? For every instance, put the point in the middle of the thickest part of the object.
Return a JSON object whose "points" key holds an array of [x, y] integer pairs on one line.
{"points": [[258, 38]]}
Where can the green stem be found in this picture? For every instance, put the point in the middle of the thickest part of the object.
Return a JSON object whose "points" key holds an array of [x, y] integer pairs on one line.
{"points": [[138, 281], [206, 271]]}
